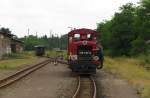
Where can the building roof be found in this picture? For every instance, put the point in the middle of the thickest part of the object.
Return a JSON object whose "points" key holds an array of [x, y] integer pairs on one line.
{"points": [[17, 40], [7, 34], [11, 36]]}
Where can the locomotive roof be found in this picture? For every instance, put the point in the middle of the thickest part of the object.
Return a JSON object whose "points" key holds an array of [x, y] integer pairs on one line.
{"points": [[82, 31]]}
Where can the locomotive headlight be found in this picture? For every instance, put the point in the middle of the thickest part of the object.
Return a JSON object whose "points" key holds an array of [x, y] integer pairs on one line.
{"points": [[73, 57], [96, 58], [84, 42]]}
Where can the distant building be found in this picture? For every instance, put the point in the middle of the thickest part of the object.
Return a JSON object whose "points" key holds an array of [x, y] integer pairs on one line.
{"points": [[5, 43], [16, 45], [8, 44]]}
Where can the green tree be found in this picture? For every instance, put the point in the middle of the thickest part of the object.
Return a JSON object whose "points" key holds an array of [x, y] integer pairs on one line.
{"points": [[142, 28], [105, 33], [5, 30], [138, 46], [121, 32], [49, 43]]}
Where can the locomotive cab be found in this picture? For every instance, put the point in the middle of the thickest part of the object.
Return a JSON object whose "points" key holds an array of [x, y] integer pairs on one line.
{"points": [[83, 51]]}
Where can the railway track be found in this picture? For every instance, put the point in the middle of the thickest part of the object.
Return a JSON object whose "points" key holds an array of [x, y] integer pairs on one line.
{"points": [[86, 88], [22, 73]]}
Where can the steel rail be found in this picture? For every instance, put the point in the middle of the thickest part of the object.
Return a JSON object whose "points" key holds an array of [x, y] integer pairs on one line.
{"points": [[78, 89], [94, 87], [22, 73]]}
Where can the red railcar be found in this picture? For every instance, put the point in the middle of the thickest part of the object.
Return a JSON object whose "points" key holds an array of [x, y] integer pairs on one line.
{"points": [[84, 52]]}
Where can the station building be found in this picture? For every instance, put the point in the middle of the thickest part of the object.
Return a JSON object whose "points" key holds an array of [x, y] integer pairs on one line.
{"points": [[9, 44]]}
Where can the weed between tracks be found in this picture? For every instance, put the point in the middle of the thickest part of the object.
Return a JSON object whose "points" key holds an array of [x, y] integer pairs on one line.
{"points": [[132, 70]]}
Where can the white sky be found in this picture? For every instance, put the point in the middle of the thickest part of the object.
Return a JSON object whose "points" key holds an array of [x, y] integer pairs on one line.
{"points": [[57, 15]]}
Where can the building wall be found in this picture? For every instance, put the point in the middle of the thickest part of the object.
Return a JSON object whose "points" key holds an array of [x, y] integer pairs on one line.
{"points": [[19, 47], [5, 45], [16, 46]]}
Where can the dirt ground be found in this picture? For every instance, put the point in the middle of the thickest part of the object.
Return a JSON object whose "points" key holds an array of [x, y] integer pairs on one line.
{"points": [[57, 82], [112, 87], [48, 82]]}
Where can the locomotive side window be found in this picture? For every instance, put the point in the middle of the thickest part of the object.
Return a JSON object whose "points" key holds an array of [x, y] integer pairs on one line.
{"points": [[77, 37]]}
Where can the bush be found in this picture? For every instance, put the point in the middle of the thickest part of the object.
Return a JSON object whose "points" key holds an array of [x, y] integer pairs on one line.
{"points": [[138, 46]]}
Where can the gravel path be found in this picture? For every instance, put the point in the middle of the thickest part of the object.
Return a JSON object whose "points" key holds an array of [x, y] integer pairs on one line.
{"points": [[111, 87], [48, 82]]}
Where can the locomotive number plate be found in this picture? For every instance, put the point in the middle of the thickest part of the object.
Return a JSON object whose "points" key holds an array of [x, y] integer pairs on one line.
{"points": [[85, 53]]}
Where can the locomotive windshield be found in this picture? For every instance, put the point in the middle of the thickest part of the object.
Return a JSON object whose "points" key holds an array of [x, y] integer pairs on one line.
{"points": [[77, 37], [89, 36]]}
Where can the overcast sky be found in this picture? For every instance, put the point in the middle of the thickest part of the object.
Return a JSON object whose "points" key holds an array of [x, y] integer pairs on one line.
{"points": [[42, 16]]}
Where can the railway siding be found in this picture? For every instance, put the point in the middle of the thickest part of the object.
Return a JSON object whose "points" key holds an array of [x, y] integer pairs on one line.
{"points": [[20, 74], [9, 67]]}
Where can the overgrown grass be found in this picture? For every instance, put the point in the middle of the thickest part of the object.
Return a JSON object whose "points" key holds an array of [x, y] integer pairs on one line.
{"points": [[131, 70], [21, 55], [145, 60], [14, 60], [15, 63], [56, 54]]}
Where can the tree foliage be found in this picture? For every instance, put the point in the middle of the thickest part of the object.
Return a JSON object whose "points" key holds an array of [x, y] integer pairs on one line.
{"points": [[5, 30], [49, 43], [128, 31]]}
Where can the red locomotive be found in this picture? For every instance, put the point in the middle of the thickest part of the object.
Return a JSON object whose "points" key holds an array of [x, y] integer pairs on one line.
{"points": [[84, 52]]}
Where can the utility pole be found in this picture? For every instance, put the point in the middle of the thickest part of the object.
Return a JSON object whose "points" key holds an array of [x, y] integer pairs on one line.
{"points": [[60, 42], [28, 32], [36, 34], [50, 39], [50, 32]]}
